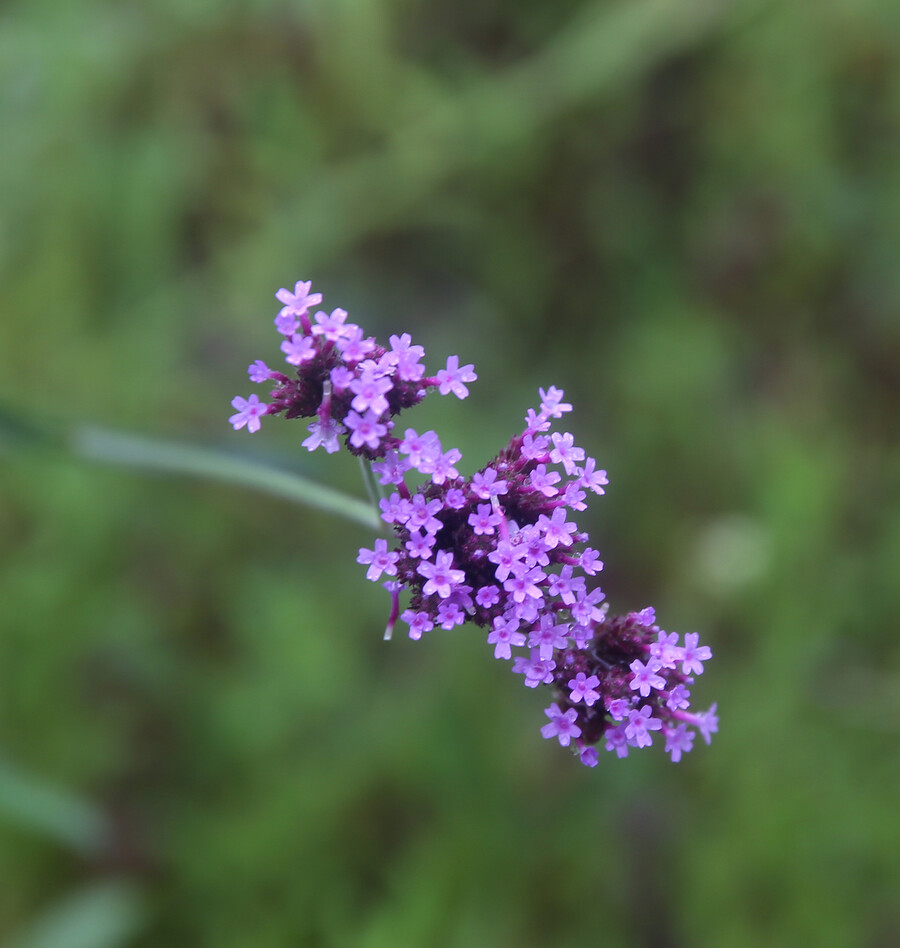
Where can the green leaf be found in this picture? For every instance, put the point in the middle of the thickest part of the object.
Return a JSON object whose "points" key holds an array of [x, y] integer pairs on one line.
{"points": [[104, 915]]}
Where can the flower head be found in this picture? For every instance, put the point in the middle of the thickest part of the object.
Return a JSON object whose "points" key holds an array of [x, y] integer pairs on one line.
{"points": [[500, 549]]}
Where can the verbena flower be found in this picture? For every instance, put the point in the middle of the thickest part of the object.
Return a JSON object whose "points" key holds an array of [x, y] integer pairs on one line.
{"points": [[500, 549]]}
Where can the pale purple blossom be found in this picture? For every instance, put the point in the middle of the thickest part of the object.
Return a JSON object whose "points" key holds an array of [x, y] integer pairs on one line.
{"points": [[693, 656], [487, 596], [547, 636], [324, 434], [552, 404], [645, 677], [355, 346], [406, 358], [543, 480], [588, 756], [332, 325], [370, 390], [298, 349], [443, 466], [378, 560], [484, 520], [259, 371], [616, 740], [640, 723], [582, 689], [418, 623], [592, 479], [557, 531], [564, 451], [449, 614], [367, 429], [452, 378], [441, 575], [505, 635], [297, 303], [562, 724], [679, 741], [249, 411], [487, 484], [420, 544]]}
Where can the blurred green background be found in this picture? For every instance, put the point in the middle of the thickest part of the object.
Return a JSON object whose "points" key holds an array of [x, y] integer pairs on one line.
{"points": [[687, 215]]}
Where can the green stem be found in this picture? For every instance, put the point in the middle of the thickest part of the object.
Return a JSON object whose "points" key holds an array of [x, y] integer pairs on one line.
{"points": [[99, 444]]}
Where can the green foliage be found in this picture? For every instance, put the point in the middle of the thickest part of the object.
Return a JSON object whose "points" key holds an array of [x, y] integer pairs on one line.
{"points": [[685, 214]]}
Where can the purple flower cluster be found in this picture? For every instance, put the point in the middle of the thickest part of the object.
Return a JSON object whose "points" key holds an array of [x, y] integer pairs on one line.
{"points": [[345, 380], [497, 549]]}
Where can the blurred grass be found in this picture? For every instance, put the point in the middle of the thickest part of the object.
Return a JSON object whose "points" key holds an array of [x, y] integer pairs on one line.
{"points": [[688, 216]]}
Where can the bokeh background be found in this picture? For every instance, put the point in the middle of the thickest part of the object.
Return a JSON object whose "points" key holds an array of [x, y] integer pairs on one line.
{"points": [[687, 215]]}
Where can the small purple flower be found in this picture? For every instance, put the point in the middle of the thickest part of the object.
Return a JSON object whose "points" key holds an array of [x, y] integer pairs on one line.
{"points": [[504, 635], [442, 467], [418, 623], [583, 689], [564, 452], [450, 615], [566, 586], [394, 509], [692, 656], [378, 560], [543, 480], [455, 499], [665, 649], [617, 741], [507, 557], [678, 698], [548, 636], [248, 413], [645, 677], [585, 609], [259, 371], [535, 448], [452, 378], [420, 544], [618, 709], [590, 562], [552, 405], [332, 326], [592, 479], [296, 304], [536, 671], [525, 584], [588, 756], [422, 449], [708, 723], [562, 724], [390, 469], [487, 596], [298, 349], [440, 575], [557, 531], [679, 741], [422, 514], [487, 485], [370, 390], [367, 430], [484, 521], [355, 347], [324, 434], [639, 725], [406, 358]]}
